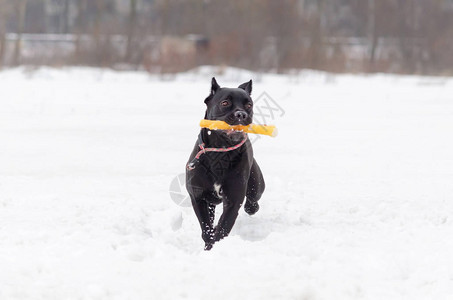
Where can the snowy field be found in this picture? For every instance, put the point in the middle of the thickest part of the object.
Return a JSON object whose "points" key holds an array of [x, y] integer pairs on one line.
{"points": [[359, 199]]}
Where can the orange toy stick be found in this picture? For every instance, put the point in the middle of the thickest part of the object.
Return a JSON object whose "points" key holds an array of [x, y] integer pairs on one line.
{"points": [[269, 130]]}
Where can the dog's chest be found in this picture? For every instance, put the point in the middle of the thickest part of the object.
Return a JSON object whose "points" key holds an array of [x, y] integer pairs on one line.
{"points": [[219, 164]]}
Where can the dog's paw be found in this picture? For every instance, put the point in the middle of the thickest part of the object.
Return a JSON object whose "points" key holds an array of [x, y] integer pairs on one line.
{"points": [[208, 236], [251, 207], [208, 246]]}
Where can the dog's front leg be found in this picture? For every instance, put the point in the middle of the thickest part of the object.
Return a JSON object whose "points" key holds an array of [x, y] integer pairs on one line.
{"points": [[205, 214], [232, 202]]}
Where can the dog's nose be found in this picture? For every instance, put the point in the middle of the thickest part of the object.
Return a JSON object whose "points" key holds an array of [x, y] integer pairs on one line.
{"points": [[241, 115]]}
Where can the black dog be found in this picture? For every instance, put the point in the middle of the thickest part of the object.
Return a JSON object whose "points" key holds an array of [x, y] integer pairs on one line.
{"points": [[221, 168]]}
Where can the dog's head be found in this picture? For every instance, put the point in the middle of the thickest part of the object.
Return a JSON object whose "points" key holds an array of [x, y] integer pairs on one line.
{"points": [[231, 105]]}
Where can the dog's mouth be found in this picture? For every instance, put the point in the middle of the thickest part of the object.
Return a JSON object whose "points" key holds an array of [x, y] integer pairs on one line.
{"points": [[232, 131], [233, 135], [234, 121]]}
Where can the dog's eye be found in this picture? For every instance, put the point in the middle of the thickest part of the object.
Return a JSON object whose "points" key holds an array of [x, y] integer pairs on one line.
{"points": [[225, 103], [248, 105]]}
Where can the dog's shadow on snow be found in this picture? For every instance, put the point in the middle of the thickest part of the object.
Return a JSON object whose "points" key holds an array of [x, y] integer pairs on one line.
{"points": [[253, 228]]}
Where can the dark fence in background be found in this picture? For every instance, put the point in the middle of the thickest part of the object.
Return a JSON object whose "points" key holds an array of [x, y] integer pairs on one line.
{"points": [[167, 36]]}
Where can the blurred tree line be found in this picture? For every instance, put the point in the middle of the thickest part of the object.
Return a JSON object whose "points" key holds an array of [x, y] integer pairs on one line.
{"points": [[406, 36]]}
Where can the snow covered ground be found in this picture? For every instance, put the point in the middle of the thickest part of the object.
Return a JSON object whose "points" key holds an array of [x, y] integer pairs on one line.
{"points": [[359, 199]]}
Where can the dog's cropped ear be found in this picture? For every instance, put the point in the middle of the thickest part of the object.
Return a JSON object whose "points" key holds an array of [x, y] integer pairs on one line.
{"points": [[247, 87], [214, 87]]}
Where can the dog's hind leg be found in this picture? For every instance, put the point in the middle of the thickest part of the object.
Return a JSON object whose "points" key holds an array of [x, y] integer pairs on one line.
{"points": [[205, 214], [255, 188]]}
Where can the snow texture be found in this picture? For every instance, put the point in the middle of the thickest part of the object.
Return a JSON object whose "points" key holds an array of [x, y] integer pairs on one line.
{"points": [[359, 199]]}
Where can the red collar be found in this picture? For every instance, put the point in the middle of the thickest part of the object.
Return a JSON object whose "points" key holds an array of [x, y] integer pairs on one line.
{"points": [[203, 150]]}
